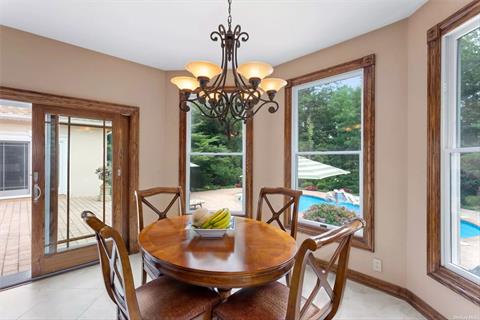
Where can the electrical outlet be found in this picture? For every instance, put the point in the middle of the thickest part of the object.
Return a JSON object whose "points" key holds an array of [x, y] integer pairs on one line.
{"points": [[377, 265]]}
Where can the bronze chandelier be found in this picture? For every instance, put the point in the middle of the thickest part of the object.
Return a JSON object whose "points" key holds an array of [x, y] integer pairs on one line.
{"points": [[208, 89]]}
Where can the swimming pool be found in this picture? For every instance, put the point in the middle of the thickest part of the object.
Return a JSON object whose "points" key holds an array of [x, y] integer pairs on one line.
{"points": [[306, 201], [468, 229]]}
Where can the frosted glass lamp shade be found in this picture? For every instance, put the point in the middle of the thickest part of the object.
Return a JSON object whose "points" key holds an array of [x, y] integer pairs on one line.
{"points": [[203, 69], [185, 83], [255, 70], [272, 84]]}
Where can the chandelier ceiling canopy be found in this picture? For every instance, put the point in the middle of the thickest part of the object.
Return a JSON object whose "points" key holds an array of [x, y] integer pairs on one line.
{"points": [[208, 89]]}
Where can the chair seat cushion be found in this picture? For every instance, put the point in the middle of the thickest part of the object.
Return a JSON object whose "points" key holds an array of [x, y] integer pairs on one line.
{"points": [[165, 298], [267, 302]]}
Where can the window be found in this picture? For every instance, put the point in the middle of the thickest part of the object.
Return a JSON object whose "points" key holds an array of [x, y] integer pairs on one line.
{"points": [[14, 168], [216, 170], [454, 153], [461, 150], [330, 114]]}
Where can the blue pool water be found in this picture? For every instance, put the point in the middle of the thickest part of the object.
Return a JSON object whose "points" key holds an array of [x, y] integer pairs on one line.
{"points": [[307, 201], [468, 229]]}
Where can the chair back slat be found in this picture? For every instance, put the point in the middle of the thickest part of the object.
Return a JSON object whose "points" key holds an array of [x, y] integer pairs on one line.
{"points": [[142, 195], [116, 268], [305, 256], [291, 200]]}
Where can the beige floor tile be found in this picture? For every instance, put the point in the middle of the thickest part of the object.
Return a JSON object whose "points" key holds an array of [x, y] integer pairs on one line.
{"points": [[62, 304], [80, 295]]}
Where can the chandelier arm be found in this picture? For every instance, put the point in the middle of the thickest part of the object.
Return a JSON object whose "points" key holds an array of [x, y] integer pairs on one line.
{"points": [[226, 104], [240, 109], [272, 109], [201, 108], [239, 82], [215, 35]]}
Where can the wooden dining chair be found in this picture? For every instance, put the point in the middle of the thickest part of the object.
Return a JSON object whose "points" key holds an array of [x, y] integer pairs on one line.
{"points": [[277, 301], [162, 298], [292, 198], [141, 199]]}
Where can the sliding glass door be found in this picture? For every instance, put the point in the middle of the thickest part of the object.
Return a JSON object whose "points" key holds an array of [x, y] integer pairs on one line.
{"points": [[78, 164]]}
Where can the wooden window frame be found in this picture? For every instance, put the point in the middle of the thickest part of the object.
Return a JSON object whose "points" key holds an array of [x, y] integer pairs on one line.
{"points": [[435, 269], [367, 64], [182, 161]]}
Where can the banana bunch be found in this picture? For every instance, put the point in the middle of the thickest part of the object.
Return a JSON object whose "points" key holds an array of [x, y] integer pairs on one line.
{"points": [[218, 220]]}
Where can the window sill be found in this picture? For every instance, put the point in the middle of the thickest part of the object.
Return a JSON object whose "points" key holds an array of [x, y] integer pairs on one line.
{"points": [[357, 242], [468, 289]]}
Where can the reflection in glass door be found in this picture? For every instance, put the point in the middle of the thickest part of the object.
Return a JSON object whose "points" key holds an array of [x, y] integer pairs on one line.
{"points": [[78, 155]]}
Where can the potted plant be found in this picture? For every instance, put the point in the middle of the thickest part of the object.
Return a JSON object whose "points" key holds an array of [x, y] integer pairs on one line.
{"points": [[107, 177]]}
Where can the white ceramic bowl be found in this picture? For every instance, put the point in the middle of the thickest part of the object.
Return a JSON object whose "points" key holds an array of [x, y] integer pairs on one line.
{"points": [[213, 233]]}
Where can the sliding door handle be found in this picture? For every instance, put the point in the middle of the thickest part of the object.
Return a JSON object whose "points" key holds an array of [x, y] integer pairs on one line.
{"points": [[37, 192]]}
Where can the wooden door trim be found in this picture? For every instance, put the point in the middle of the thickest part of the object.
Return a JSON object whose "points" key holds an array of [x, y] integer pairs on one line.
{"points": [[35, 97], [79, 106]]}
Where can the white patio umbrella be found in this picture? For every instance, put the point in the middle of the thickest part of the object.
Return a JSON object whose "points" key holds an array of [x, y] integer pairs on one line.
{"points": [[309, 169], [193, 165]]}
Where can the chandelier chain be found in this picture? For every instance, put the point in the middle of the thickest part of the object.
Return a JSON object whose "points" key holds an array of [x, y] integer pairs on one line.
{"points": [[229, 14]]}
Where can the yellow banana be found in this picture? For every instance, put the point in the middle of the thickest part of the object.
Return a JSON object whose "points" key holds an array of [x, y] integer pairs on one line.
{"points": [[209, 222], [220, 217], [223, 224]]}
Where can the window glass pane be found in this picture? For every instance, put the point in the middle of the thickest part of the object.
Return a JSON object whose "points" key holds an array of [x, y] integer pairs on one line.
{"points": [[84, 151], [216, 182], [211, 135], [15, 166], [466, 209], [469, 89], [329, 116], [331, 188]]}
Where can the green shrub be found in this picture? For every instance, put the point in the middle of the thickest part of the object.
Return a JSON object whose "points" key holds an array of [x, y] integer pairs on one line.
{"points": [[330, 214], [472, 203]]}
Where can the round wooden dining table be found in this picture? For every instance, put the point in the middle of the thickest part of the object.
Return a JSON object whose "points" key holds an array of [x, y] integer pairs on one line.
{"points": [[252, 254]]}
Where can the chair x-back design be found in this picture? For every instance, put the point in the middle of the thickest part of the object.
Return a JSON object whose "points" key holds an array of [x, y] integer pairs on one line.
{"points": [[277, 301], [292, 200], [142, 195], [305, 256], [118, 282], [160, 299], [141, 199]]}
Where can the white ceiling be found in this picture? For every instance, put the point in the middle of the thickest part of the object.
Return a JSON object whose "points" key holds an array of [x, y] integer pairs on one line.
{"points": [[168, 34]]}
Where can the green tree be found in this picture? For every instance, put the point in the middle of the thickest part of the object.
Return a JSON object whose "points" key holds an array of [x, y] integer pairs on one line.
{"points": [[211, 135], [469, 114], [329, 119]]}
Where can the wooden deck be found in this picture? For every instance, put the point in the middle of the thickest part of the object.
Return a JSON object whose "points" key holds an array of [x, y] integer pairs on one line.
{"points": [[15, 229], [15, 233]]}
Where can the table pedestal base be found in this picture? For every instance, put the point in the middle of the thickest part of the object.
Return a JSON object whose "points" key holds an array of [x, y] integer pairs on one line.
{"points": [[224, 293]]}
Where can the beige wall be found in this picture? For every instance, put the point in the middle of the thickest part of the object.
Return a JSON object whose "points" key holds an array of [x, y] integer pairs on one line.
{"points": [[400, 128], [83, 141]]}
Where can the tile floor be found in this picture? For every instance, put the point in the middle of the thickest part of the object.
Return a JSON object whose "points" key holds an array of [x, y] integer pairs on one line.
{"points": [[80, 295]]}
